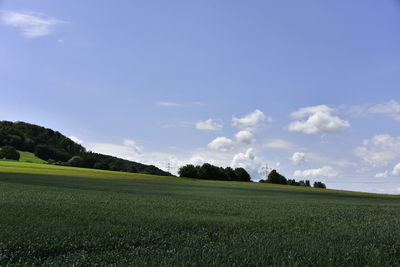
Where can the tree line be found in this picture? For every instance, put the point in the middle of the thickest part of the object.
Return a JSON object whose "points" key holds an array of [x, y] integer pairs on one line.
{"points": [[275, 177], [56, 148], [210, 172]]}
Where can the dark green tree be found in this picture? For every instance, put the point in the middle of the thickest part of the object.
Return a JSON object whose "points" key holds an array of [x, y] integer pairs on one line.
{"points": [[76, 161], [242, 175], [47, 152], [101, 166], [210, 172], [230, 174], [9, 152], [188, 171], [275, 178], [319, 185]]}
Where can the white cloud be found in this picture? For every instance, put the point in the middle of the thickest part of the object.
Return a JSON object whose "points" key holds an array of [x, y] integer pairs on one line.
{"points": [[251, 120], [298, 158], [31, 24], [248, 161], [222, 144], [180, 105], [197, 160], [76, 139], [243, 160], [319, 120], [132, 144], [396, 170], [382, 174], [123, 151], [380, 150], [279, 144], [307, 111], [391, 109], [325, 171], [209, 125], [245, 137]]}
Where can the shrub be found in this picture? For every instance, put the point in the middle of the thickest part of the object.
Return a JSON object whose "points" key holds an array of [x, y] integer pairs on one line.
{"points": [[319, 185]]}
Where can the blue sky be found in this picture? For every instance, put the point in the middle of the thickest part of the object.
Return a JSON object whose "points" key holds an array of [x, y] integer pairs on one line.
{"points": [[310, 88]]}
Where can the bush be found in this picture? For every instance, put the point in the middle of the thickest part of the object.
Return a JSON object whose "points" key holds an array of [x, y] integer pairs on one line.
{"points": [[319, 185], [9, 152]]}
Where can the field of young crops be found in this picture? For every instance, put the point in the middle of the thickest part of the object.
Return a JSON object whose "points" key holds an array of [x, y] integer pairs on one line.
{"points": [[63, 216]]}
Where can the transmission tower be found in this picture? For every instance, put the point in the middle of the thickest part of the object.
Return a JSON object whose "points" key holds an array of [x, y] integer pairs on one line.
{"points": [[169, 167], [266, 171]]}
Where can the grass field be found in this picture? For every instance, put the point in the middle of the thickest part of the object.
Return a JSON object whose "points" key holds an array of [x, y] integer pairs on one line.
{"points": [[29, 157], [54, 215]]}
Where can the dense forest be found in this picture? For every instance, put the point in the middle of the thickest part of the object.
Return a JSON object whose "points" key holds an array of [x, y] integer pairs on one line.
{"points": [[56, 148]]}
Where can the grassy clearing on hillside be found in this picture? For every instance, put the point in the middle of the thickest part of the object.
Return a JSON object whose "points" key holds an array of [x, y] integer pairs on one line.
{"points": [[54, 215], [30, 157]]}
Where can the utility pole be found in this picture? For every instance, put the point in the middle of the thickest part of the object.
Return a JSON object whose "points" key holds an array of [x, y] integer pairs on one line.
{"points": [[266, 171], [169, 167]]}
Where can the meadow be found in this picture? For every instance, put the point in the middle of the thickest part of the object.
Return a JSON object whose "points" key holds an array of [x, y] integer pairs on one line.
{"points": [[52, 215]]}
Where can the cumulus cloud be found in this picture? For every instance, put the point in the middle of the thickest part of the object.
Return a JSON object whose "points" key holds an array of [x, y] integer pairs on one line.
{"points": [[382, 174], [325, 171], [251, 120], [76, 139], [248, 161], [279, 144], [308, 111], [396, 170], [243, 160], [317, 120], [380, 150], [391, 109], [209, 125], [222, 144], [298, 158], [245, 137], [31, 24]]}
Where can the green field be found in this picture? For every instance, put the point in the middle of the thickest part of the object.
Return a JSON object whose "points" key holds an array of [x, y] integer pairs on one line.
{"points": [[30, 157], [54, 215]]}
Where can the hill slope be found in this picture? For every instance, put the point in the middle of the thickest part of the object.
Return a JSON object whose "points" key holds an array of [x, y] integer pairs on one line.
{"points": [[48, 144], [60, 215]]}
